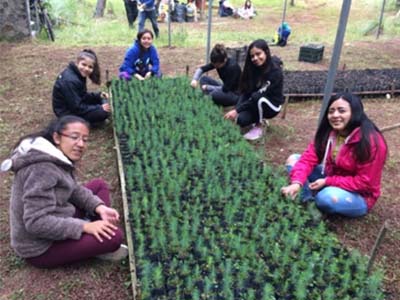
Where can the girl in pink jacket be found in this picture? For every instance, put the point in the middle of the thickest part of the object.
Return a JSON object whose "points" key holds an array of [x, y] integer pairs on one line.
{"points": [[342, 168]]}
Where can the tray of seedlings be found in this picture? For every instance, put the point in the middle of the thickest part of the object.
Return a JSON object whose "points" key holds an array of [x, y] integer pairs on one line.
{"points": [[206, 214], [367, 82]]}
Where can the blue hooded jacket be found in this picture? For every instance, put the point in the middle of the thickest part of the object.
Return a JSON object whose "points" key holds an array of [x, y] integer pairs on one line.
{"points": [[140, 61]]}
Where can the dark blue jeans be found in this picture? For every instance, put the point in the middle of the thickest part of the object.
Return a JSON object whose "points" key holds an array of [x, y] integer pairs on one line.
{"points": [[332, 199], [152, 16]]}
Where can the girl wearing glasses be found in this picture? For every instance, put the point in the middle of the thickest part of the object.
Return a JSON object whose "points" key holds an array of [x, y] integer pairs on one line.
{"points": [[55, 221], [70, 95]]}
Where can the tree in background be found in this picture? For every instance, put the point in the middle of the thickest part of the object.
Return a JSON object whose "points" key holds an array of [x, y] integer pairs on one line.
{"points": [[100, 6]]}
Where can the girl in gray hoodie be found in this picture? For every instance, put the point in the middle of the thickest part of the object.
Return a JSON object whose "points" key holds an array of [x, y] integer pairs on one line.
{"points": [[55, 221]]}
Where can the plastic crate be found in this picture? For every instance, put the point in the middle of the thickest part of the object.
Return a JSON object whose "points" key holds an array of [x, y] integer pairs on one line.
{"points": [[238, 54], [311, 53]]}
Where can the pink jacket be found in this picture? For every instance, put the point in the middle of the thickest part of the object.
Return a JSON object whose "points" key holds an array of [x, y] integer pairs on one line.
{"points": [[344, 171]]}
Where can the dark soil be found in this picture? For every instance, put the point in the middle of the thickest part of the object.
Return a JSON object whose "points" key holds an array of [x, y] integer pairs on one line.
{"points": [[27, 74]]}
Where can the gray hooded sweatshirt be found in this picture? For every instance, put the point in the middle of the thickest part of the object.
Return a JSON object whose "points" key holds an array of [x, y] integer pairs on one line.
{"points": [[43, 198]]}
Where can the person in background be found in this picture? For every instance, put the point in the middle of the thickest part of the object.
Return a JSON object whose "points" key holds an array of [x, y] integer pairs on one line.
{"points": [[261, 89], [283, 33], [225, 93], [225, 9], [55, 221], [147, 10], [341, 168], [191, 11], [141, 59], [247, 11], [70, 96], [131, 8], [163, 9]]}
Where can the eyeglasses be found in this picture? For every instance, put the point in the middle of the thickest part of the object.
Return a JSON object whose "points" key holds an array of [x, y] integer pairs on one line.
{"points": [[75, 137]]}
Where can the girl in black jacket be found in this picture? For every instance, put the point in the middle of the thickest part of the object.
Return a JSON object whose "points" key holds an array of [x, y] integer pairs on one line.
{"points": [[225, 93], [70, 96], [261, 88]]}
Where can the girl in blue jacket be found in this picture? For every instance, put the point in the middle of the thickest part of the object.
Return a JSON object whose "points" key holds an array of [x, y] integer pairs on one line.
{"points": [[141, 59]]}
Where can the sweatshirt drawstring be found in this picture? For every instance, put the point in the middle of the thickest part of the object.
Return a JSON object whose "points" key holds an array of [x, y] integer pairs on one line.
{"points": [[328, 145]]}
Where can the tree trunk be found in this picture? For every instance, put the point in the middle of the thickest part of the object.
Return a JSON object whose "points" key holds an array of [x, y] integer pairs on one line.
{"points": [[14, 20], [291, 2], [100, 6]]}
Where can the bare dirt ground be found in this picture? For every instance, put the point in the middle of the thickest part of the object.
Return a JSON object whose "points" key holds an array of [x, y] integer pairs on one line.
{"points": [[27, 74]]}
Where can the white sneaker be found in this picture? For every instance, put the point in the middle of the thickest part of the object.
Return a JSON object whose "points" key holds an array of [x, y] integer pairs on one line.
{"points": [[254, 134], [119, 254]]}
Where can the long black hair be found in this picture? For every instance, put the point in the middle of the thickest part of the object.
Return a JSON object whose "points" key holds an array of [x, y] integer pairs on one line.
{"points": [[362, 151], [253, 75], [247, 4], [95, 77], [55, 126]]}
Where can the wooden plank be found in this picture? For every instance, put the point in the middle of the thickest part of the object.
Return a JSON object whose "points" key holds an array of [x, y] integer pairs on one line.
{"points": [[128, 231]]}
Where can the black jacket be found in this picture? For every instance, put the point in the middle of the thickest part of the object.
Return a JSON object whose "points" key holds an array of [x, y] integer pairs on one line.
{"points": [[70, 94], [273, 92], [229, 74]]}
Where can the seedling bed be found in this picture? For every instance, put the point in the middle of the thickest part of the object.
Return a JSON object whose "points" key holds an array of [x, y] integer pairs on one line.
{"points": [[207, 217], [363, 82]]}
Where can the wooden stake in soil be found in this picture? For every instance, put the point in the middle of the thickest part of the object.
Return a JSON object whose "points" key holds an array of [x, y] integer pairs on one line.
{"points": [[387, 128], [378, 242], [187, 70], [284, 108]]}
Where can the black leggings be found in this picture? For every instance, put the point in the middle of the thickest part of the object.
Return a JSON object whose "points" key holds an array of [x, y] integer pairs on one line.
{"points": [[96, 116], [253, 115]]}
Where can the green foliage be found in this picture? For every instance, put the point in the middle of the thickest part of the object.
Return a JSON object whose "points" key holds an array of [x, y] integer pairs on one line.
{"points": [[76, 25], [208, 217]]}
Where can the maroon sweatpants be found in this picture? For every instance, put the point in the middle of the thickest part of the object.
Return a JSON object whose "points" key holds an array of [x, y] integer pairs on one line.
{"points": [[71, 251]]}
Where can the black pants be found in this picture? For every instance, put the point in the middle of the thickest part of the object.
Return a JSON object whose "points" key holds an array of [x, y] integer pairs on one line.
{"points": [[131, 11], [96, 116], [263, 109], [214, 89]]}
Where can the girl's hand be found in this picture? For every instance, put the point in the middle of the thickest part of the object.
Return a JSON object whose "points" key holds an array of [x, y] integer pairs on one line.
{"points": [[107, 214], [204, 87], [193, 84], [138, 76], [291, 190], [106, 107], [231, 115], [104, 95], [100, 229], [317, 184], [148, 75]]}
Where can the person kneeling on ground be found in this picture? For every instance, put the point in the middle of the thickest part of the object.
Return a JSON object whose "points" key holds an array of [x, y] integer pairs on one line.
{"points": [[247, 11], [70, 96], [55, 221], [225, 9], [141, 59], [341, 169], [261, 89], [225, 93]]}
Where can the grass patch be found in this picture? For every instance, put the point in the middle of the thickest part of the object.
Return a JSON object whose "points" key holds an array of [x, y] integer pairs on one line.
{"points": [[80, 28]]}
